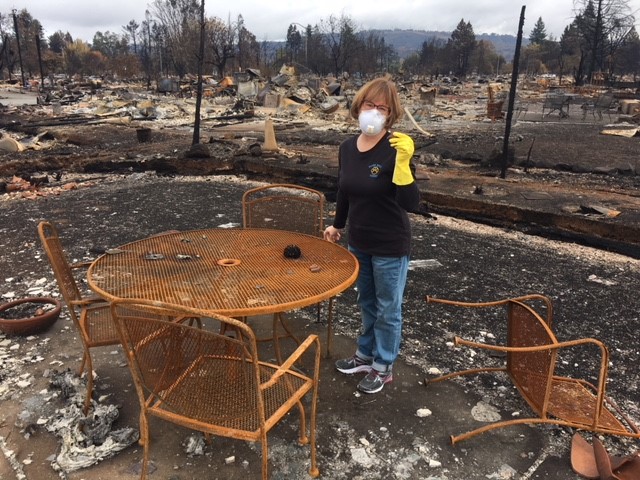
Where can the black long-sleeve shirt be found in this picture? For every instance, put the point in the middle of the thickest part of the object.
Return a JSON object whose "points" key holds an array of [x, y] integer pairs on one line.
{"points": [[375, 207]]}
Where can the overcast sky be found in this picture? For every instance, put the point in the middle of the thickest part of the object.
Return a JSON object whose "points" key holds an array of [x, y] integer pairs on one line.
{"points": [[269, 20]]}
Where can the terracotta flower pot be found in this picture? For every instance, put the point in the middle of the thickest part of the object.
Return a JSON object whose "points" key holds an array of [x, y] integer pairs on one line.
{"points": [[40, 321]]}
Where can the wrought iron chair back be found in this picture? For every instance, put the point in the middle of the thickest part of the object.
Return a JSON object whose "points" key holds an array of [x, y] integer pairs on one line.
{"points": [[284, 207], [293, 208], [556, 102]]}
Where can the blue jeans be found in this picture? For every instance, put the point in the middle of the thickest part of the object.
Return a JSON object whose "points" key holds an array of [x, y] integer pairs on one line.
{"points": [[380, 284]]}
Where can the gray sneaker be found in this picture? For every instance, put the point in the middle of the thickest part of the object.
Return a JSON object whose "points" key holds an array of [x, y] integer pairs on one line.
{"points": [[374, 381], [353, 364]]}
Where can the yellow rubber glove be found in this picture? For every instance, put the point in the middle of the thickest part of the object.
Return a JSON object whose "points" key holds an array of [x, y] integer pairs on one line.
{"points": [[404, 145]]}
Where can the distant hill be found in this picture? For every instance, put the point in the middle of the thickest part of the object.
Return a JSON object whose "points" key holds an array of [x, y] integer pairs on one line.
{"points": [[407, 42]]}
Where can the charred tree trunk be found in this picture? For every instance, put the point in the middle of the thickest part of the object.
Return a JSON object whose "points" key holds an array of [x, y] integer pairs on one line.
{"points": [[40, 63], [196, 123], [512, 97], [17, 30]]}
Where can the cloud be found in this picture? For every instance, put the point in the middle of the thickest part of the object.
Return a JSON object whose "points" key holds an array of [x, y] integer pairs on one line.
{"points": [[82, 18]]}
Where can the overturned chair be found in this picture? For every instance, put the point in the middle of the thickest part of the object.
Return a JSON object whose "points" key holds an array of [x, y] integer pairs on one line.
{"points": [[532, 352]]}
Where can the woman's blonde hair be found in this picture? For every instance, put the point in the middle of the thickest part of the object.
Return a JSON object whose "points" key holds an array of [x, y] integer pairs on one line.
{"points": [[379, 88]]}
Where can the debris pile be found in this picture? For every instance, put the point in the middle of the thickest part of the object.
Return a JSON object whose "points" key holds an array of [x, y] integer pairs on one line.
{"points": [[84, 441]]}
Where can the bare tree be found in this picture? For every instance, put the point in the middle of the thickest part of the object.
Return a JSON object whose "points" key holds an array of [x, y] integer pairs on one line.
{"points": [[373, 54], [340, 35], [603, 26], [7, 59], [132, 28], [196, 123], [147, 41], [26, 30], [221, 43], [484, 58], [180, 20]]}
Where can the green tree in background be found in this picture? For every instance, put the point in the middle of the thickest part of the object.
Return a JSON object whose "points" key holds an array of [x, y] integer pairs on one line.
{"points": [[602, 26], [462, 44], [628, 58], [539, 33]]}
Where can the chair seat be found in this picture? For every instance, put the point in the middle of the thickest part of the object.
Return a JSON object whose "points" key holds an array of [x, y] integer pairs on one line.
{"points": [[99, 325], [228, 412], [572, 401]]}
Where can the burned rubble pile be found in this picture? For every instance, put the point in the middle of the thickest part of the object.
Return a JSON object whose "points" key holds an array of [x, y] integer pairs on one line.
{"points": [[95, 126], [288, 128]]}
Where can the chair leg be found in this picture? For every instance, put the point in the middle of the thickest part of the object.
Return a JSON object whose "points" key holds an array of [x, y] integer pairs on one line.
{"points": [[330, 328], [89, 394], [193, 320], [276, 338], [313, 471], [279, 318], [265, 458], [303, 439], [84, 361], [144, 438]]}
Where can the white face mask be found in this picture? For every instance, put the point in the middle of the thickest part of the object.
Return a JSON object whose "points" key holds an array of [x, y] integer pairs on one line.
{"points": [[371, 121]]}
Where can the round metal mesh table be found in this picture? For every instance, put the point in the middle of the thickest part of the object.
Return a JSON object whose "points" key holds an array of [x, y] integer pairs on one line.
{"points": [[234, 272]]}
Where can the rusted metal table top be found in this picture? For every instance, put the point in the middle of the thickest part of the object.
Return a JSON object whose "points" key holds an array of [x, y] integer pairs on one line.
{"points": [[235, 272]]}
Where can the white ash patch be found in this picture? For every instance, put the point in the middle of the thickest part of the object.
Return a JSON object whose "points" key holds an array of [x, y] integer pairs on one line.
{"points": [[484, 412], [194, 445], [15, 354], [84, 440]]}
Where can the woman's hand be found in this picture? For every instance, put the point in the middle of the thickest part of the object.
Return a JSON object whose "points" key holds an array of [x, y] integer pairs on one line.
{"points": [[405, 148], [331, 234]]}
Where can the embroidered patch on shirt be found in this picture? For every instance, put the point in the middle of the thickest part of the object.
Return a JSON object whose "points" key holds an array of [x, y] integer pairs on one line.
{"points": [[374, 170]]}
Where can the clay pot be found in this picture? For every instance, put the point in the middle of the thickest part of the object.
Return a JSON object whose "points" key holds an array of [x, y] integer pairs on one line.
{"points": [[29, 325]]}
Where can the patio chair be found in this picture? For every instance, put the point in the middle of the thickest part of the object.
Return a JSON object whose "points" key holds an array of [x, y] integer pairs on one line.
{"points": [[532, 355], [284, 206], [90, 314], [556, 102], [603, 103], [210, 382], [520, 107], [293, 208]]}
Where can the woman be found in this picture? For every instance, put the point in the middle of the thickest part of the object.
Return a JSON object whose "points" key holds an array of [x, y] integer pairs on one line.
{"points": [[376, 189]]}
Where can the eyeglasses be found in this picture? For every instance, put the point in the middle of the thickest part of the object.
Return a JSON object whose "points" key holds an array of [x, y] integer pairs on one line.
{"points": [[367, 105]]}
